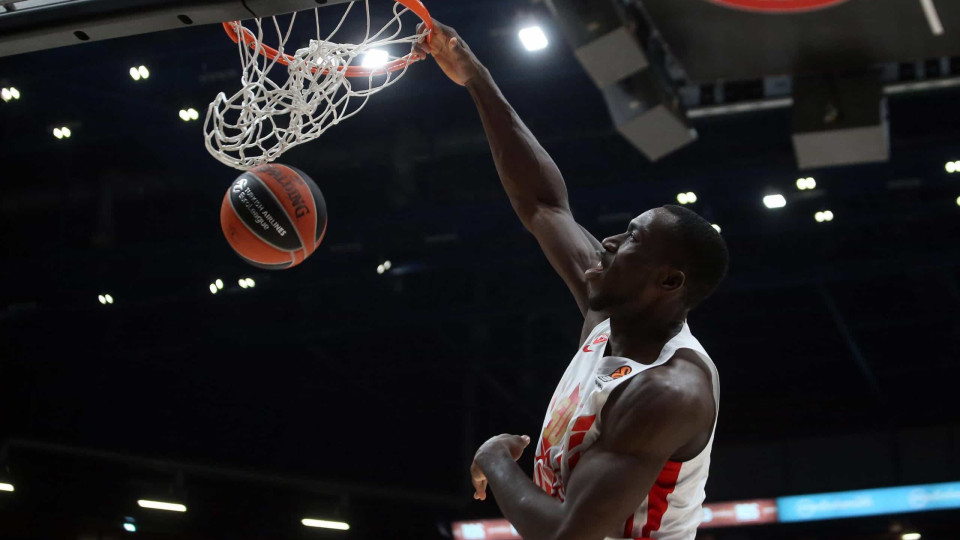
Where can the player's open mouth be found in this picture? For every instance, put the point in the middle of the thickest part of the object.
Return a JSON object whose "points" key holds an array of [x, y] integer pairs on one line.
{"points": [[596, 269]]}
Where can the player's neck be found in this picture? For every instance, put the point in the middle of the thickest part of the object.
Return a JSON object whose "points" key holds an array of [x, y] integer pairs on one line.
{"points": [[641, 337]]}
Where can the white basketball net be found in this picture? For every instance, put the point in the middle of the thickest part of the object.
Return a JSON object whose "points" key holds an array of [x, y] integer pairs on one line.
{"points": [[264, 118]]}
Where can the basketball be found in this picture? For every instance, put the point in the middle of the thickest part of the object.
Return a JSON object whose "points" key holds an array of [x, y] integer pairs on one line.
{"points": [[273, 216]]}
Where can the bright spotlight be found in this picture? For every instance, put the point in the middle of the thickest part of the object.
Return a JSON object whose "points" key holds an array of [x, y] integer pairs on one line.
{"points": [[242, 283], [129, 527], [806, 183], [102, 299], [144, 72], [951, 166], [213, 288], [958, 201], [691, 197], [6, 94], [716, 227], [57, 133], [251, 283], [157, 505], [774, 201], [387, 265], [134, 74], [682, 198], [15, 93], [184, 115], [193, 113], [324, 524], [381, 269], [108, 298], [6, 487], [375, 58], [533, 38], [65, 131], [910, 536], [827, 215], [218, 283]]}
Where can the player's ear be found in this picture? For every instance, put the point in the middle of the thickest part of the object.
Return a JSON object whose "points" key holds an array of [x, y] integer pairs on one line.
{"points": [[672, 279]]}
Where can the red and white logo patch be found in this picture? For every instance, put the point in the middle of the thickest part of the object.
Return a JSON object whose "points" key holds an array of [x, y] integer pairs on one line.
{"points": [[778, 6]]}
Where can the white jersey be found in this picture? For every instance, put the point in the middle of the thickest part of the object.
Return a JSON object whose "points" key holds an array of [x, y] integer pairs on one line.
{"points": [[672, 509]]}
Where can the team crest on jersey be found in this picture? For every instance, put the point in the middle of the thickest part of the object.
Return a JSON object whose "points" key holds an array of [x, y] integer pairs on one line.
{"points": [[602, 338]]}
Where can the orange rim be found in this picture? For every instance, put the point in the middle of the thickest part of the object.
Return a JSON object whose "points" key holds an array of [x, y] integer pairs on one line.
{"points": [[250, 40]]}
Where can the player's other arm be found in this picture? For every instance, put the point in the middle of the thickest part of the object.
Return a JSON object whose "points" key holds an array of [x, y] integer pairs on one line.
{"points": [[652, 420], [529, 176]]}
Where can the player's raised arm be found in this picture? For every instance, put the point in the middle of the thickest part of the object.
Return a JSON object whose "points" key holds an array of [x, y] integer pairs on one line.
{"points": [[528, 174]]}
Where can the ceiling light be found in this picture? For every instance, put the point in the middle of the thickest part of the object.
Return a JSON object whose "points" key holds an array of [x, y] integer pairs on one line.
{"points": [[6, 94], [774, 201], [251, 283], [324, 524], [108, 298], [65, 131], [193, 113], [184, 115], [57, 133], [6, 487], [243, 283], [682, 198], [129, 527], [218, 283], [144, 72], [375, 58], [958, 201], [533, 38], [213, 288], [134, 74], [806, 183], [157, 505], [15, 93], [102, 299], [381, 269], [716, 227], [910, 536], [387, 265], [952, 166]]}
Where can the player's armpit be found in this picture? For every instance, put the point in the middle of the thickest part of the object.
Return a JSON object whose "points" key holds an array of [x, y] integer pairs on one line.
{"points": [[570, 249]]}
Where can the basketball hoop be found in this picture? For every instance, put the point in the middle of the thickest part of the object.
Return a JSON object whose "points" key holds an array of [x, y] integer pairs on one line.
{"points": [[266, 118]]}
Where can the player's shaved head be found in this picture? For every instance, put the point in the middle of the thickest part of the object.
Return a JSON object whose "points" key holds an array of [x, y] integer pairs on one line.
{"points": [[701, 253]]}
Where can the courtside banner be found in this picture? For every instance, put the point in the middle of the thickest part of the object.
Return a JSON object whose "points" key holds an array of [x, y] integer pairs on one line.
{"points": [[484, 529], [737, 513], [869, 502]]}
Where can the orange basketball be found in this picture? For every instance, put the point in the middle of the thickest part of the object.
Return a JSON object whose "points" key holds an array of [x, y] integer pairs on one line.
{"points": [[273, 216]]}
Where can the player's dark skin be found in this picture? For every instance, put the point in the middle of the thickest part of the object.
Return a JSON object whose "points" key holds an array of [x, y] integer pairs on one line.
{"points": [[659, 415]]}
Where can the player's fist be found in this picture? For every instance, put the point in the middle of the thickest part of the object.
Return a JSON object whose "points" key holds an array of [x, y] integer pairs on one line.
{"points": [[498, 447], [451, 53]]}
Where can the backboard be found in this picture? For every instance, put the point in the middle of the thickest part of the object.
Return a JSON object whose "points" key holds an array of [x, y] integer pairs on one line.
{"points": [[32, 25]]}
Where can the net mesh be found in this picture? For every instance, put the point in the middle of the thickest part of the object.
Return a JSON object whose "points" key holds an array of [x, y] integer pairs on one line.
{"points": [[265, 118]]}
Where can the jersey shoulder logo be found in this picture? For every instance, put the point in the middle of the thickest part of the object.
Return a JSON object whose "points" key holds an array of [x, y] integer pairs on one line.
{"points": [[618, 373]]}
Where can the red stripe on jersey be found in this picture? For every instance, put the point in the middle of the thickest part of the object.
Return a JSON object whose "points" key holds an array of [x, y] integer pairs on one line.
{"points": [[657, 499], [628, 527], [584, 423]]}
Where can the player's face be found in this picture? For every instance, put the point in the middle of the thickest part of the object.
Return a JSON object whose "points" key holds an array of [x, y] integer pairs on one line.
{"points": [[632, 263]]}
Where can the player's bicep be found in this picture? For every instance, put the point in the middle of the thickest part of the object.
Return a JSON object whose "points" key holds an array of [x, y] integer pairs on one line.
{"points": [[605, 489], [570, 249]]}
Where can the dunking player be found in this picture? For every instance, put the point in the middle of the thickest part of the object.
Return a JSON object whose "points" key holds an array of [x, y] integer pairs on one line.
{"points": [[625, 446]]}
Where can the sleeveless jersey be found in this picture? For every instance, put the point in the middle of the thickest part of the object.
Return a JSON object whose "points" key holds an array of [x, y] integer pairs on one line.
{"points": [[672, 508]]}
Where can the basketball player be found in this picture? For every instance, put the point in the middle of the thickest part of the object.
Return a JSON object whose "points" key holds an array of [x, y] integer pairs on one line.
{"points": [[625, 446]]}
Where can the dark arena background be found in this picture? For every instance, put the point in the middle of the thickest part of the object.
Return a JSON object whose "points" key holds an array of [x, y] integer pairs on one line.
{"points": [[821, 137]]}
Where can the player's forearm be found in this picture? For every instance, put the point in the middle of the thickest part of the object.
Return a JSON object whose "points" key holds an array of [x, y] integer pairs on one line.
{"points": [[534, 514], [527, 172]]}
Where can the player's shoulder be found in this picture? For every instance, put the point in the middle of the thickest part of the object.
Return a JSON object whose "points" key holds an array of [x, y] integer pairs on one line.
{"points": [[672, 403]]}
